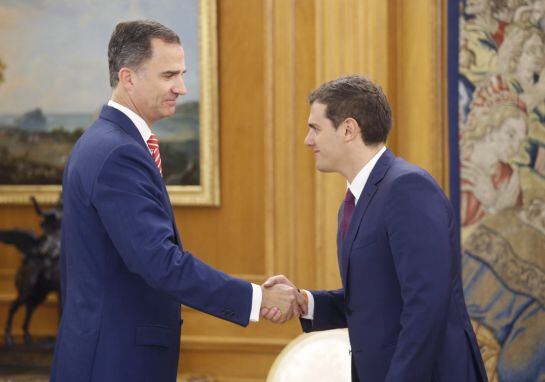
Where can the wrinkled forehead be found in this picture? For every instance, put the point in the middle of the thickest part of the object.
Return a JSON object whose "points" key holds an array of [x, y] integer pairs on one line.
{"points": [[159, 46]]}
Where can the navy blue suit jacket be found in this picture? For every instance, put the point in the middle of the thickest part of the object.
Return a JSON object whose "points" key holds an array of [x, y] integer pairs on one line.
{"points": [[402, 298], [124, 271]]}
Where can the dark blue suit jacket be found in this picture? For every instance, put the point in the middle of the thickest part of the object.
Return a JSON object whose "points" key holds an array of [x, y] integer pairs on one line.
{"points": [[402, 298], [124, 271]]}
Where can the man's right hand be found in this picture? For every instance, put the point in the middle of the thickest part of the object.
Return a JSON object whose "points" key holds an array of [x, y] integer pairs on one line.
{"points": [[282, 299], [277, 314]]}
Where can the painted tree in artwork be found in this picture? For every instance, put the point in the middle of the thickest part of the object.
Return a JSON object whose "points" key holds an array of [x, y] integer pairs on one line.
{"points": [[2, 68]]}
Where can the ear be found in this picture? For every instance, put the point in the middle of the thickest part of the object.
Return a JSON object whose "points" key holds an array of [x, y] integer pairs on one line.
{"points": [[126, 78], [351, 129]]}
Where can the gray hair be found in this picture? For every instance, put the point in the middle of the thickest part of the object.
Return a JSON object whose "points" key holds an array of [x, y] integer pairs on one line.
{"points": [[130, 44]]}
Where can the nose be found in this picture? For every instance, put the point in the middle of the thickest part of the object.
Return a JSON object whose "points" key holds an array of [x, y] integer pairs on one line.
{"points": [[179, 87], [309, 140]]}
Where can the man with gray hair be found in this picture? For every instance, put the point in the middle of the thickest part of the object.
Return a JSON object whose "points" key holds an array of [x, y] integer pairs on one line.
{"points": [[123, 267]]}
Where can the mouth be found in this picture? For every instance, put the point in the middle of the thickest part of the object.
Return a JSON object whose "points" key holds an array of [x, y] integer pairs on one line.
{"points": [[316, 152]]}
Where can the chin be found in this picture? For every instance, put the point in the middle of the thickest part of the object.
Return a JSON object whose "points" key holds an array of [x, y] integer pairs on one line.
{"points": [[168, 112], [323, 168]]}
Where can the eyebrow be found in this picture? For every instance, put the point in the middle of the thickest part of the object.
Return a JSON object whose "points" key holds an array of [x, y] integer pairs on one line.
{"points": [[173, 72]]}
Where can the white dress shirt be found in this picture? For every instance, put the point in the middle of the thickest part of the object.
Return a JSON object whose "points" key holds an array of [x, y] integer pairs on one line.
{"points": [[356, 187], [138, 121], [145, 132]]}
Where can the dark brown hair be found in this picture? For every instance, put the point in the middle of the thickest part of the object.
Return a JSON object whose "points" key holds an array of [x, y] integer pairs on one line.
{"points": [[356, 97]]}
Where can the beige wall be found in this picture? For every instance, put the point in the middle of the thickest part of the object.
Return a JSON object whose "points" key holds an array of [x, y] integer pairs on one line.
{"points": [[277, 214]]}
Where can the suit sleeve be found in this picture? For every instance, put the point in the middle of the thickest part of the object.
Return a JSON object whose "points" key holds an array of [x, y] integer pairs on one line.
{"points": [[329, 311], [127, 197], [418, 220]]}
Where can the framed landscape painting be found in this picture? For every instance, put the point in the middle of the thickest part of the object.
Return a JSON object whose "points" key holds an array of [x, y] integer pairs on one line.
{"points": [[54, 80]]}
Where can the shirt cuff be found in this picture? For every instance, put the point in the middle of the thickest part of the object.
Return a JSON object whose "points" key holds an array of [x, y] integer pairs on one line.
{"points": [[310, 312], [256, 303]]}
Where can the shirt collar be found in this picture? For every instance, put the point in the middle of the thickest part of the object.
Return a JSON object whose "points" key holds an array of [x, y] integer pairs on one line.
{"points": [[357, 185], [137, 120]]}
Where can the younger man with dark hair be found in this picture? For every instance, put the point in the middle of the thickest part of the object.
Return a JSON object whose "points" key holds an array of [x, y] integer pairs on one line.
{"points": [[398, 250]]}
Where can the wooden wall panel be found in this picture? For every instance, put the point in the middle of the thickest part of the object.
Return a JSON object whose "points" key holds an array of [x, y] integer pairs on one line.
{"points": [[305, 195], [290, 191], [351, 37], [230, 237], [277, 213], [421, 123]]}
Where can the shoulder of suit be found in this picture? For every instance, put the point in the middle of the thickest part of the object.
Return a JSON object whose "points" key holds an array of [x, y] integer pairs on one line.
{"points": [[103, 141], [401, 167], [107, 134], [403, 172]]}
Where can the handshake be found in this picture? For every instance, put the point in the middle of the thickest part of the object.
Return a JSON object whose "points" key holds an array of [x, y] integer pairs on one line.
{"points": [[282, 300]]}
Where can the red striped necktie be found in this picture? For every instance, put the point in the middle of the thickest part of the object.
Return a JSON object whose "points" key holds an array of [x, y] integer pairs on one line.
{"points": [[153, 144]]}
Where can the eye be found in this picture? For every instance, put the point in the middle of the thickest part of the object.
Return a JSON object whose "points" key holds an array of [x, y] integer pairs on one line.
{"points": [[169, 75]]}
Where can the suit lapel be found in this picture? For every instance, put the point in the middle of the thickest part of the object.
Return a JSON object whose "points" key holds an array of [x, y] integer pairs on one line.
{"points": [[171, 212], [113, 115], [120, 119], [366, 197], [339, 241]]}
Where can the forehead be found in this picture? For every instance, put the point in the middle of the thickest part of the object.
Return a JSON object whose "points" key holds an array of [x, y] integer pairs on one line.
{"points": [[166, 52], [317, 111]]}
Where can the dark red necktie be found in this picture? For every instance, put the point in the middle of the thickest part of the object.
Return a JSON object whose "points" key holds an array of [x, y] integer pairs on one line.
{"points": [[153, 144], [348, 210]]}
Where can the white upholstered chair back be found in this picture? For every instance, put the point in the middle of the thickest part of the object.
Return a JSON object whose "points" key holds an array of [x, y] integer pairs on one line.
{"points": [[314, 357]]}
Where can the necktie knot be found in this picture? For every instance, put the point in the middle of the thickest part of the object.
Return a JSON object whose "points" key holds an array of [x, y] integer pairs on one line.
{"points": [[153, 145], [349, 197]]}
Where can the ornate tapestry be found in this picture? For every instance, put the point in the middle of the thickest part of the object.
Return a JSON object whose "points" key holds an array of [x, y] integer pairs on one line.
{"points": [[500, 186]]}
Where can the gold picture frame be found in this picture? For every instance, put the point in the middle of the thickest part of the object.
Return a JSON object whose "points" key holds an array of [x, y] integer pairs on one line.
{"points": [[207, 192]]}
